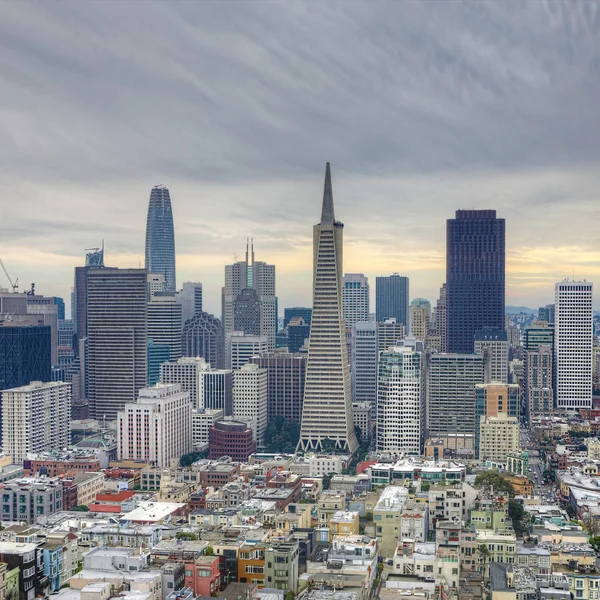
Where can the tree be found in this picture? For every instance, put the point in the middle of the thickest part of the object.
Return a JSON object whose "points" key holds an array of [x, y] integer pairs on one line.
{"points": [[282, 435], [571, 511], [485, 554], [210, 551], [189, 459], [595, 542], [186, 535], [492, 480], [81, 508], [326, 481], [290, 595], [516, 512]]}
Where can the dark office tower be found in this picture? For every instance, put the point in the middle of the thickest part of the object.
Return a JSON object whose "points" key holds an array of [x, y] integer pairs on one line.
{"points": [[117, 343], [60, 303], [546, 313], [391, 299], [246, 312], [285, 376], [474, 276], [297, 334], [297, 311], [94, 259], [160, 237], [203, 336]]}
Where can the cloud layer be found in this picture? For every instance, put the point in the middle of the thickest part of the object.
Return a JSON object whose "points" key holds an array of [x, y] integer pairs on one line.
{"points": [[422, 108]]}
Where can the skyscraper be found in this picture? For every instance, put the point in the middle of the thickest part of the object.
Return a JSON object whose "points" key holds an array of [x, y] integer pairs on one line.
{"points": [[573, 334], [365, 353], [474, 276], [190, 298], [391, 299], [355, 297], [94, 259], [203, 336], [117, 342], [492, 344], [160, 237], [255, 275], [251, 399], [164, 322], [538, 370], [420, 315], [327, 410]]}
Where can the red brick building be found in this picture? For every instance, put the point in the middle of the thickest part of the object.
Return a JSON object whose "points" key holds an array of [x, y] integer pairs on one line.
{"points": [[231, 438]]}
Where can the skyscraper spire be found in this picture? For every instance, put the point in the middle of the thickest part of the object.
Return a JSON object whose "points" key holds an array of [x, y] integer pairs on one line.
{"points": [[327, 215]]}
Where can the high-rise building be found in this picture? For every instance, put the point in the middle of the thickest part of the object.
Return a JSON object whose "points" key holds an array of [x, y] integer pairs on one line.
{"points": [[451, 381], [365, 353], [286, 374], [164, 322], [391, 299], [46, 312], [160, 237], [117, 338], [420, 315], [499, 436], [389, 333], [258, 276], [355, 298], [65, 333], [327, 409], [94, 259], [298, 333], [250, 398], [401, 400], [441, 320], [246, 312], [475, 256], [157, 354], [202, 422], [573, 334], [547, 313], [538, 370], [492, 344], [36, 418], [190, 298], [244, 347], [203, 336], [297, 311], [60, 307], [156, 284], [156, 428]]}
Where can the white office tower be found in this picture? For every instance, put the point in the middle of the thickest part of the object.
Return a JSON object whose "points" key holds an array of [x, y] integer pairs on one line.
{"points": [[190, 298], [209, 388], [401, 401], [156, 428], [36, 418], [365, 352], [250, 398], [156, 283], [492, 344], [573, 333], [244, 347], [164, 322], [327, 411], [355, 298], [256, 275], [202, 421], [389, 333]]}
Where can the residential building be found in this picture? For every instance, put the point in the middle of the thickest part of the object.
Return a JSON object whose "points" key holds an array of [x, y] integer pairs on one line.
{"points": [[24, 500], [158, 427], [573, 333], [164, 322], [420, 315], [117, 343], [451, 381], [203, 576], [343, 522], [475, 276], [203, 335], [286, 373], [501, 548], [190, 298], [250, 398], [24, 557], [327, 410], [498, 436], [538, 371], [355, 298], [492, 344], [35, 418], [160, 237], [231, 438], [392, 299], [281, 565], [244, 347]]}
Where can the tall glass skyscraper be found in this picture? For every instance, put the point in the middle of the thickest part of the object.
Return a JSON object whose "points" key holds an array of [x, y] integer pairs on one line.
{"points": [[391, 299], [160, 237], [475, 257]]}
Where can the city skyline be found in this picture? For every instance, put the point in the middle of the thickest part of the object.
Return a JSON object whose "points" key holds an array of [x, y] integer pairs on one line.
{"points": [[437, 136]]}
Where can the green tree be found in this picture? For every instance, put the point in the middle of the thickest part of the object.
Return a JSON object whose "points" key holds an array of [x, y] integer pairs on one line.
{"points": [[570, 511], [282, 435], [186, 535], [516, 512], [81, 508], [595, 542], [189, 459], [210, 551], [327, 481], [492, 480], [290, 595]]}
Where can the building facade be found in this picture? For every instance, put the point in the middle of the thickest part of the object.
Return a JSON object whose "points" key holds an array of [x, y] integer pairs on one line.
{"points": [[365, 353], [492, 344], [165, 325], [203, 335], [355, 298], [244, 347], [190, 298], [392, 299], [250, 398], [420, 316], [160, 237], [231, 438]]}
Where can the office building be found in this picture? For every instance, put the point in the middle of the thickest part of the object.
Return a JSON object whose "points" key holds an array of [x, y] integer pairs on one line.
{"points": [[499, 436], [538, 370], [35, 418], [45, 311], [355, 299], [573, 334], [157, 354], [475, 279], [258, 276], [389, 333], [451, 381], [297, 311], [244, 347], [365, 353], [208, 388], [94, 259], [251, 398], [156, 284], [203, 335], [286, 373], [117, 360], [66, 332], [247, 312], [401, 400], [420, 315], [231, 438], [492, 344], [164, 322], [327, 409], [156, 428], [60, 307], [160, 237], [441, 320], [202, 422], [190, 298], [391, 299], [298, 333], [547, 313], [24, 354]]}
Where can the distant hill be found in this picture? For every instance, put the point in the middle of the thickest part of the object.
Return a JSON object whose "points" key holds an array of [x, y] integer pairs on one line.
{"points": [[512, 310]]}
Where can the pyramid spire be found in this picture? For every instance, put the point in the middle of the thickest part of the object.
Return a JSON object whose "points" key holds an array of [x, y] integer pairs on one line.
{"points": [[327, 215]]}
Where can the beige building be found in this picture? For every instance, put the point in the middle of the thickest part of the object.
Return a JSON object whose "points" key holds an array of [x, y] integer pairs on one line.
{"points": [[420, 314], [250, 398], [593, 446], [498, 436], [88, 485], [343, 522]]}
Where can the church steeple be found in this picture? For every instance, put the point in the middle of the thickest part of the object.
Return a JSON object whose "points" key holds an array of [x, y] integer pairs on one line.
{"points": [[327, 215]]}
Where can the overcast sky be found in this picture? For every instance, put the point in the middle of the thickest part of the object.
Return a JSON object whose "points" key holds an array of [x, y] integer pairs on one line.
{"points": [[422, 108]]}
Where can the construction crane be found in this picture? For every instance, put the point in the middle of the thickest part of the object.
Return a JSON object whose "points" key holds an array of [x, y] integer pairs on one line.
{"points": [[14, 284]]}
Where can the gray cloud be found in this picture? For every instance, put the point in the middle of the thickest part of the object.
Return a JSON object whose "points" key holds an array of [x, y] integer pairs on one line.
{"points": [[422, 107]]}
